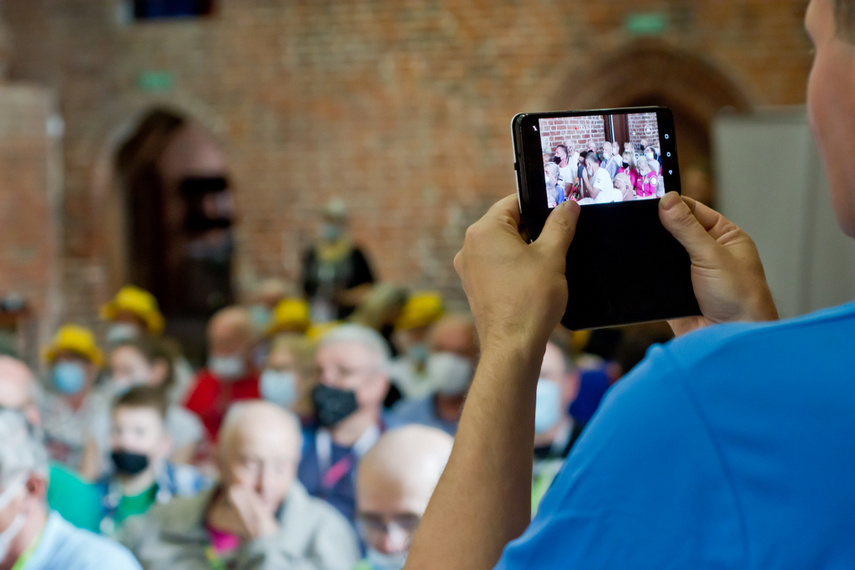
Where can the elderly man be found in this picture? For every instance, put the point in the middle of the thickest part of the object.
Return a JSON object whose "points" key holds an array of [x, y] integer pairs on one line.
{"points": [[711, 450], [31, 536], [230, 374], [393, 486], [353, 361], [453, 349], [259, 516]]}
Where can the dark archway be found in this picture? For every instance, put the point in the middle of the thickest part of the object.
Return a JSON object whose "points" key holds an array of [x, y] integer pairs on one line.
{"points": [[652, 72], [178, 215]]}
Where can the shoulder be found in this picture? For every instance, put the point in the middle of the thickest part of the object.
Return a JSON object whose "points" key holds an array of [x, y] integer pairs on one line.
{"points": [[311, 520], [79, 549]]}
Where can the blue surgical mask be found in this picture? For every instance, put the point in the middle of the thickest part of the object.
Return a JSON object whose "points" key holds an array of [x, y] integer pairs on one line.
{"points": [[547, 412], [418, 353], [121, 332], [450, 373], [331, 232], [278, 387], [69, 377], [380, 561], [227, 368]]}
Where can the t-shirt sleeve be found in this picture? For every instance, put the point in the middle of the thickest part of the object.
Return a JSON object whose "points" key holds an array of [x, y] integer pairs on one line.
{"points": [[635, 485]]}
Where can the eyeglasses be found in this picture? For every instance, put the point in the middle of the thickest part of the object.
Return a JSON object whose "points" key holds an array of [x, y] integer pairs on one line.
{"points": [[374, 528]]}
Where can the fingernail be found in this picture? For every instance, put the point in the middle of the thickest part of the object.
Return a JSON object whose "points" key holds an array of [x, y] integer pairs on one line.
{"points": [[670, 200]]}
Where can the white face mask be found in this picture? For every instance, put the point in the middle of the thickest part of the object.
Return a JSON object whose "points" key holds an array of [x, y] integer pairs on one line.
{"points": [[380, 561], [228, 368], [8, 535], [547, 413], [278, 387], [122, 332], [450, 373]]}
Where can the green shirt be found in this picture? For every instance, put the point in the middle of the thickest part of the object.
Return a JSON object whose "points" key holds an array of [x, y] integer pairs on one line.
{"points": [[77, 500], [130, 505]]}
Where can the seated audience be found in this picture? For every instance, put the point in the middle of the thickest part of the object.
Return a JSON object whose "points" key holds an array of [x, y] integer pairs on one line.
{"points": [[31, 536], [258, 516], [393, 486], [141, 474], [141, 362], [454, 347], [353, 361], [289, 376], [412, 328], [229, 374], [610, 161], [628, 166], [74, 361], [555, 430]]}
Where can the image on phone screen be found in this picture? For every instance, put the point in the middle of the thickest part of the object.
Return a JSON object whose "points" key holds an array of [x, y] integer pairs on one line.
{"points": [[600, 159]]}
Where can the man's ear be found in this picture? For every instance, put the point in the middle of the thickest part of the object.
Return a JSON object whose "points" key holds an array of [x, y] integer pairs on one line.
{"points": [[36, 486]]}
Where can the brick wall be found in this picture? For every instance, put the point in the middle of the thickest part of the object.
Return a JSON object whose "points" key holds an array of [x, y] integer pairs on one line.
{"points": [[577, 132], [644, 126], [400, 108]]}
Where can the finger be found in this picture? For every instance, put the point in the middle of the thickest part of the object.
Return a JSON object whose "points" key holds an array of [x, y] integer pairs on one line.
{"points": [[678, 219], [506, 210], [713, 222], [560, 227]]}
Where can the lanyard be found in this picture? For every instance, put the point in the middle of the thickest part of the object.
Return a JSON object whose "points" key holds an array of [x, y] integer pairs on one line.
{"points": [[25, 556], [333, 473], [214, 559]]}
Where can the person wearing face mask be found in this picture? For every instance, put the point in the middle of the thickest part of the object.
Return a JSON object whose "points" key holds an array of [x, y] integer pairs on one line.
{"points": [[450, 366], [353, 362], [336, 272], [73, 360], [135, 314], [412, 330], [289, 376], [394, 483], [31, 536], [258, 515], [229, 374], [555, 430], [141, 362], [140, 474]]}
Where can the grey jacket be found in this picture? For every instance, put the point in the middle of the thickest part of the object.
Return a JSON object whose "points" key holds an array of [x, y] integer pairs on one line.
{"points": [[312, 536]]}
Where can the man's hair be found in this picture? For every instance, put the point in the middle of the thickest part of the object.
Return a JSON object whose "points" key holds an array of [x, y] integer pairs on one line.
{"points": [[153, 397], [23, 450], [369, 338], [566, 150], [844, 19]]}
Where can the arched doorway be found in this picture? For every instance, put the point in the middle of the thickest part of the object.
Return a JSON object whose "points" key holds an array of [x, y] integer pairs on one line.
{"points": [[178, 215], [651, 72]]}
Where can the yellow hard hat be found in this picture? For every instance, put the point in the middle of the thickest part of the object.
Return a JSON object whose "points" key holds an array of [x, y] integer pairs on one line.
{"points": [[315, 332], [423, 308], [73, 338], [290, 315], [139, 302]]}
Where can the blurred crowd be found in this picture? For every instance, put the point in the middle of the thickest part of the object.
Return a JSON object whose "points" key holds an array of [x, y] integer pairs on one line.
{"points": [[603, 173], [312, 437]]}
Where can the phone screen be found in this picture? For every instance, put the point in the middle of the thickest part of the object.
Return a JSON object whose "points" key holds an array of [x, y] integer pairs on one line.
{"points": [[599, 159]]}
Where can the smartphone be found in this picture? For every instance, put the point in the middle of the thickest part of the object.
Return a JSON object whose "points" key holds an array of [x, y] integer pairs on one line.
{"points": [[623, 266]]}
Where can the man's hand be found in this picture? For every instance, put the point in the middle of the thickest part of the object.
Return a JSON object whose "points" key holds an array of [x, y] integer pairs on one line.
{"points": [[517, 291], [253, 517], [727, 274]]}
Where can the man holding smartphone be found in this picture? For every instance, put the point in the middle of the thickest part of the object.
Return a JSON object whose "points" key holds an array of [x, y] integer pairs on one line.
{"points": [[725, 448]]}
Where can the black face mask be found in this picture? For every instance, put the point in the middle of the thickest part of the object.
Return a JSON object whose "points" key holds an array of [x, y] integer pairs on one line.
{"points": [[556, 160], [626, 165], [332, 405], [128, 463]]}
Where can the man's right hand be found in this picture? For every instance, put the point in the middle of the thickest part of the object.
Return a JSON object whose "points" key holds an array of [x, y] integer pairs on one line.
{"points": [[727, 275]]}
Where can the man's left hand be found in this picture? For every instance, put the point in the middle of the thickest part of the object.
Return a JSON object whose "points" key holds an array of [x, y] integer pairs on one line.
{"points": [[254, 516]]}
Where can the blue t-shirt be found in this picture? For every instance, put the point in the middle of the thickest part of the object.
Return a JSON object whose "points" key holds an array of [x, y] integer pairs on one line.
{"points": [[731, 447]]}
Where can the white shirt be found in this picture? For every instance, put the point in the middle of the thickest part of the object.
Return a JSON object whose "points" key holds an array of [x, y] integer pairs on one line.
{"points": [[602, 181]]}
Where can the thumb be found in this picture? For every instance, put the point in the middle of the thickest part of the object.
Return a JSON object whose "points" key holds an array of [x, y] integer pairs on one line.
{"points": [[678, 219], [560, 227]]}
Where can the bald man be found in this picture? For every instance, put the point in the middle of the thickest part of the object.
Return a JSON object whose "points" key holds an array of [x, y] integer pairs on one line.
{"points": [[450, 365], [393, 486], [258, 516], [229, 374]]}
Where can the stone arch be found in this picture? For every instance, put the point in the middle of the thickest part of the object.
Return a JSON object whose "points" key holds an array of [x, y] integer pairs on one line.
{"points": [[652, 72]]}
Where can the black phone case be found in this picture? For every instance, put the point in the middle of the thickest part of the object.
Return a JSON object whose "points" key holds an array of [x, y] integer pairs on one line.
{"points": [[623, 266]]}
